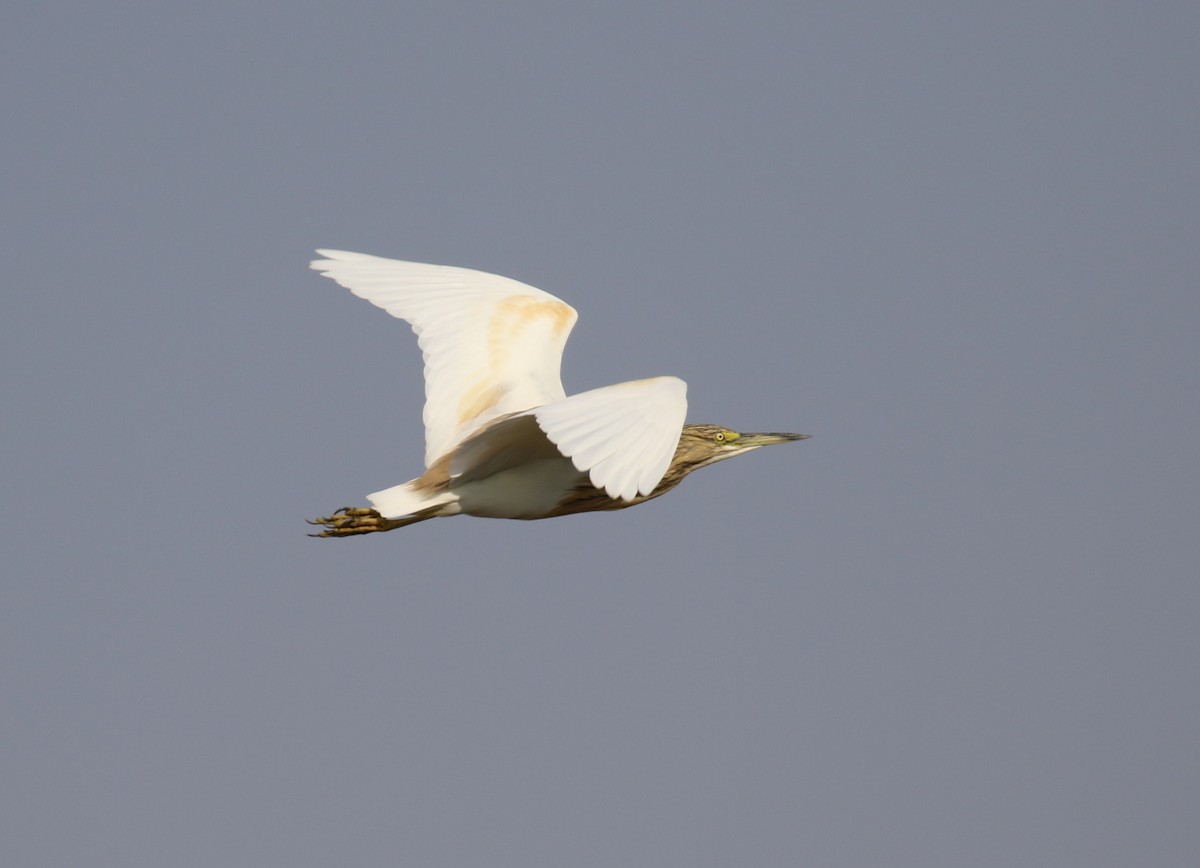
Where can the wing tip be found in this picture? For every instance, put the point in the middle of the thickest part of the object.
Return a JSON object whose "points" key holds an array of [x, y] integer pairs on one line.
{"points": [[332, 257]]}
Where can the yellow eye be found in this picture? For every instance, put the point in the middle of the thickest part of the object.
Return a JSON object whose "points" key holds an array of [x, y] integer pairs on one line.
{"points": [[719, 436]]}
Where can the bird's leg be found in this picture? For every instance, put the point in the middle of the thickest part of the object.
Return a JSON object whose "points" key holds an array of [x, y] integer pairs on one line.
{"points": [[355, 520]]}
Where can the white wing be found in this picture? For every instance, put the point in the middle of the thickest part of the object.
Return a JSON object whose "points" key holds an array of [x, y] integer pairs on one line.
{"points": [[492, 345], [622, 436]]}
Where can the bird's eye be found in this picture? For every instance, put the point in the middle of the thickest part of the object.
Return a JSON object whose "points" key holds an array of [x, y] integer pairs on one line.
{"points": [[719, 436]]}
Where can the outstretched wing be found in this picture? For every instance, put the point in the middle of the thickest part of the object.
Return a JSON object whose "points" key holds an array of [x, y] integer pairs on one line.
{"points": [[492, 345], [622, 436]]}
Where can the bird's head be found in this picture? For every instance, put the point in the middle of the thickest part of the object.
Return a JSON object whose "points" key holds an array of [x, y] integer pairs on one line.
{"points": [[700, 445]]}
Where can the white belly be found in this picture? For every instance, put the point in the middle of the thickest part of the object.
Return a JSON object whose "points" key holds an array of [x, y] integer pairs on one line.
{"points": [[529, 490]]}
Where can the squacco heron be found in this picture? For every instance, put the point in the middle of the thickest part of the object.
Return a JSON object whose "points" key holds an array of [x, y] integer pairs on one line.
{"points": [[502, 439]]}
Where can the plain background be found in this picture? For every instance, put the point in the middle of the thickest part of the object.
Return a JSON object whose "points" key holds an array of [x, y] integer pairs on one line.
{"points": [[956, 243]]}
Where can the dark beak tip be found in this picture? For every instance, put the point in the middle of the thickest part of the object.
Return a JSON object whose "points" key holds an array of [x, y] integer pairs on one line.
{"points": [[783, 436]]}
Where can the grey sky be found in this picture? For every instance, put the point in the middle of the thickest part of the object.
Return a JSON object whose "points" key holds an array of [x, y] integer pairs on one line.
{"points": [[955, 243]]}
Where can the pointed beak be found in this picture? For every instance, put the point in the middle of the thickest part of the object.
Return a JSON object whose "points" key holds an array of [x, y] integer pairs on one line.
{"points": [[753, 441]]}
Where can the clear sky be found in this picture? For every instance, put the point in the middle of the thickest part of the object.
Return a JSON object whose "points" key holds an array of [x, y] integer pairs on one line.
{"points": [[956, 243]]}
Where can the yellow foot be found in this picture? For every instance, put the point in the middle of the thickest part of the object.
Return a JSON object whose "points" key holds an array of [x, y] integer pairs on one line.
{"points": [[354, 520]]}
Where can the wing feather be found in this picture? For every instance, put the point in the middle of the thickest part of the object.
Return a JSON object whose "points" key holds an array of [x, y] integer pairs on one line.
{"points": [[491, 345], [622, 436]]}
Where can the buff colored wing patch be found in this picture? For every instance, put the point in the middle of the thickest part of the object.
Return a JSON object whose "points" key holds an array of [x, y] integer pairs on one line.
{"points": [[492, 345]]}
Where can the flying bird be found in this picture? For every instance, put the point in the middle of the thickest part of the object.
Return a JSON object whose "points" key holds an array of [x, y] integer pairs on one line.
{"points": [[502, 439]]}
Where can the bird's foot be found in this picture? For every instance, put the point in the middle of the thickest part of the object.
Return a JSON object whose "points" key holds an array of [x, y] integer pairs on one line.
{"points": [[352, 521]]}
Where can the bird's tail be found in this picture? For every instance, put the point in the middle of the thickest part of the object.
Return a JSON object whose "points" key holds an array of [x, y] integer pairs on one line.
{"points": [[406, 499]]}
